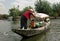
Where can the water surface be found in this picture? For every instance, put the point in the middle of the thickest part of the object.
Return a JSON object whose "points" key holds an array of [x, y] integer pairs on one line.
{"points": [[53, 34]]}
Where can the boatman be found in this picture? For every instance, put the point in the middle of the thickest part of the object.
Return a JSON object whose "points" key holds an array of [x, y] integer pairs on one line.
{"points": [[25, 16]]}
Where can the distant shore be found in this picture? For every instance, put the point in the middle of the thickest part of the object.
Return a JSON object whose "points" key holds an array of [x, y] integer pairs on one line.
{"points": [[54, 18], [19, 18]]}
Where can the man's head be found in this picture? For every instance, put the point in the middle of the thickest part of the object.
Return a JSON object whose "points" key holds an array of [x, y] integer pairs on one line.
{"points": [[31, 9]]}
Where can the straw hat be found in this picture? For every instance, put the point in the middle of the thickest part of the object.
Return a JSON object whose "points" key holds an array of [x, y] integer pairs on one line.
{"points": [[31, 9]]}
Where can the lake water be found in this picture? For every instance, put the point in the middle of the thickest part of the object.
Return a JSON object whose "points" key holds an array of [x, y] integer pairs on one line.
{"points": [[53, 34]]}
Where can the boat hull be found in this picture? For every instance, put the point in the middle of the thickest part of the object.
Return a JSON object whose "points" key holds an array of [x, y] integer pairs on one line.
{"points": [[29, 33]]}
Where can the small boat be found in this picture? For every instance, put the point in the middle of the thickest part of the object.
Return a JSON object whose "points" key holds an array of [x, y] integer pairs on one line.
{"points": [[31, 32]]}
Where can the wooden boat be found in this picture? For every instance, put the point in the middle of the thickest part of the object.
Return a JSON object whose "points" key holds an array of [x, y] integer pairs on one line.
{"points": [[32, 32]]}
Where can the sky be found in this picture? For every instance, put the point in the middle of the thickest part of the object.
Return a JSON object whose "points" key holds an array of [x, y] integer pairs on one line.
{"points": [[5, 5]]}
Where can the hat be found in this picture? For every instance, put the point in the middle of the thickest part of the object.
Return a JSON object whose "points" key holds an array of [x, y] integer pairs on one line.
{"points": [[31, 9]]}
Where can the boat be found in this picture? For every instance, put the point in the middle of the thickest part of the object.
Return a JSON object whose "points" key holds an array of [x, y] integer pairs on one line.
{"points": [[31, 32]]}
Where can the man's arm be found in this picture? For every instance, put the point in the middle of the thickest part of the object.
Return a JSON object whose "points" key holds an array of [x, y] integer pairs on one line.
{"points": [[34, 16]]}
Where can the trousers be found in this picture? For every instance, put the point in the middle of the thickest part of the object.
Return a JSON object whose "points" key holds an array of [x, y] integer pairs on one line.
{"points": [[23, 22]]}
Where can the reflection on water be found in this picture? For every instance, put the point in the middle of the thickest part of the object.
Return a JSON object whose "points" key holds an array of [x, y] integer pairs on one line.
{"points": [[15, 24], [53, 34]]}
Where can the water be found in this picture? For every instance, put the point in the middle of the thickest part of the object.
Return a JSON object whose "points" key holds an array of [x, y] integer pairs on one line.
{"points": [[5, 31], [53, 34]]}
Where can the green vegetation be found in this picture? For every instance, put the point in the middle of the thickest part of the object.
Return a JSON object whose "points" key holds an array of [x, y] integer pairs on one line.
{"points": [[56, 9], [4, 16], [41, 7], [14, 12], [45, 7]]}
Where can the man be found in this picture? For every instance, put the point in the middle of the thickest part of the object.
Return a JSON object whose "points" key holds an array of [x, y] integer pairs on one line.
{"points": [[24, 17]]}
